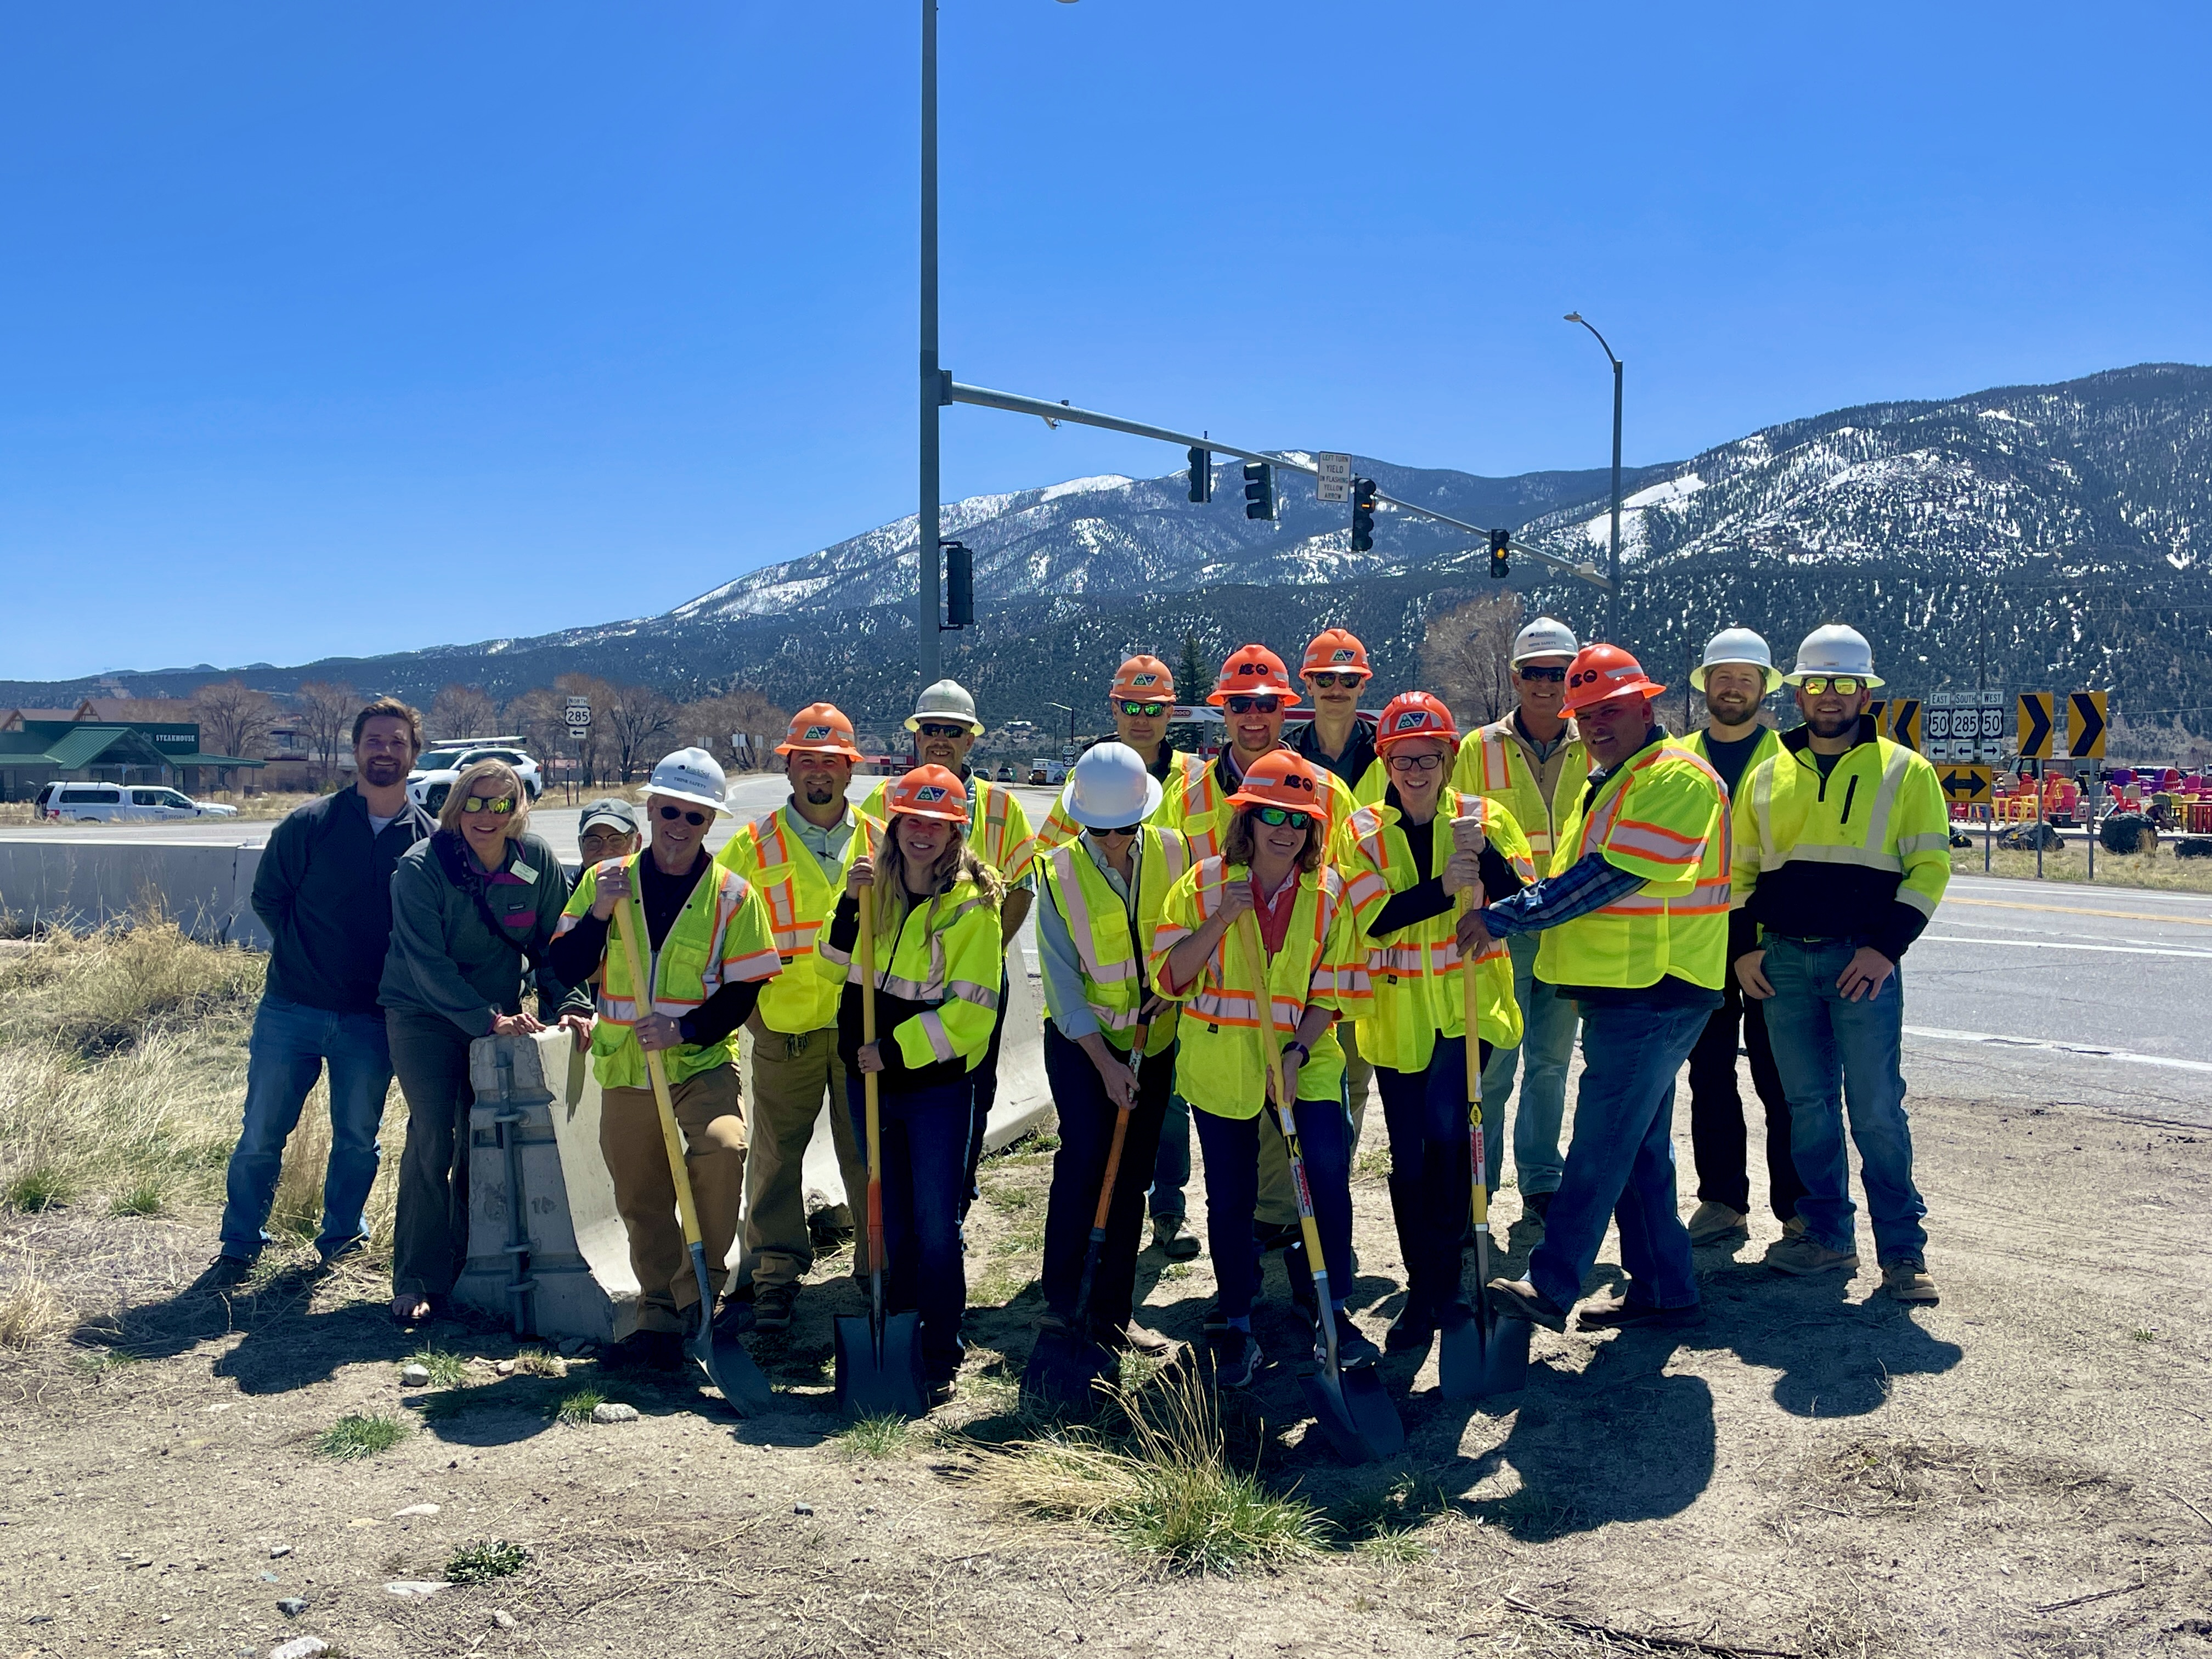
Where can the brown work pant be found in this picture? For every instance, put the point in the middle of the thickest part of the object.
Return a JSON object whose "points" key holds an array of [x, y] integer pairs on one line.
{"points": [[792, 1075], [710, 1110], [1278, 1199]]}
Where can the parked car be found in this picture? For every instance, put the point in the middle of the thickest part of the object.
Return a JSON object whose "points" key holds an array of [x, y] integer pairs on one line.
{"points": [[1007, 773], [436, 769], [116, 803]]}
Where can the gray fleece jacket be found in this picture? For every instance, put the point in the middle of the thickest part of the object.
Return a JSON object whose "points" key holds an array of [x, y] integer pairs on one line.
{"points": [[444, 960]]}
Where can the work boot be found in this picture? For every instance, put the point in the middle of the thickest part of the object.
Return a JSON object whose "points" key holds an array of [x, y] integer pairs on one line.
{"points": [[1713, 1222], [1537, 1205], [1794, 1228], [772, 1305], [1517, 1298], [1907, 1279], [1804, 1254], [647, 1350], [1235, 1358], [1412, 1331], [1353, 1348], [1617, 1312], [1133, 1338], [224, 1272], [1172, 1239]]}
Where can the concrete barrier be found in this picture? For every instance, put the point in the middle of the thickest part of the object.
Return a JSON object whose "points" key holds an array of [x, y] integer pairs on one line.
{"points": [[85, 880]]}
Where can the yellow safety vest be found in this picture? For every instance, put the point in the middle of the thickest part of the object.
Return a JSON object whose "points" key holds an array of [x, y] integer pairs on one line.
{"points": [[1197, 804], [1768, 746], [1415, 971], [784, 870], [947, 953], [1882, 808], [998, 828], [1061, 830], [720, 937], [1661, 815], [1219, 1068], [1110, 950], [1493, 764]]}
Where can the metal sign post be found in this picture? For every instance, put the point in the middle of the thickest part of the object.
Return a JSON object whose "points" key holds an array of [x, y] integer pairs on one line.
{"points": [[577, 717]]}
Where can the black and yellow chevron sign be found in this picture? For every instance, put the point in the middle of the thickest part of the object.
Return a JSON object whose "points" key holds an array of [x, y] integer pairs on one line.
{"points": [[2035, 726], [2084, 725]]}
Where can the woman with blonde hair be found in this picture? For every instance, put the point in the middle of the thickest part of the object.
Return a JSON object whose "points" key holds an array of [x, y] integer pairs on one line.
{"points": [[473, 909], [938, 956]]}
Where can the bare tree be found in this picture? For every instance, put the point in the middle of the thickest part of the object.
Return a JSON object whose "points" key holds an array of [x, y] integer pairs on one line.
{"points": [[712, 722], [233, 720], [1466, 657], [463, 711], [637, 719], [327, 710]]}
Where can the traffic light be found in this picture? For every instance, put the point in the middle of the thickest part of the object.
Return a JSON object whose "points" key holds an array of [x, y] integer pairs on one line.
{"points": [[959, 584], [1362, 514], [1201, 474], [1499, 541], [1259, 490]]}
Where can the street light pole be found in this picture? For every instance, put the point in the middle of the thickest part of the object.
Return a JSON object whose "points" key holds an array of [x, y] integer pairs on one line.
{"points": [[1613, 568], [925, 525]]}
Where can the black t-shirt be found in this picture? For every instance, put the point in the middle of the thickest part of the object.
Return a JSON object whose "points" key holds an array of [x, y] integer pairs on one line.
{"points": [[1730, 759]]}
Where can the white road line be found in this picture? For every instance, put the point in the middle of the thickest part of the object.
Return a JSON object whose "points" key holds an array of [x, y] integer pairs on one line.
{"points": [[2009, 943], [2089, 1049]]}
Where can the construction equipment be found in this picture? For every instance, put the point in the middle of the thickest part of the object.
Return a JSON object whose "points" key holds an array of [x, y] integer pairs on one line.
{"points": [[1354, 1413], [723, 1357], [1066, 1365], [879, 1354], [1481, 1354]]}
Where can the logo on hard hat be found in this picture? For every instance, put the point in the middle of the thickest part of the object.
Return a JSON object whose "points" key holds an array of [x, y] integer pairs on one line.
{"points": [[1412, 720], [1143, 679], [1340, 655], [1251, 668], [816, 733], [930, 791]]}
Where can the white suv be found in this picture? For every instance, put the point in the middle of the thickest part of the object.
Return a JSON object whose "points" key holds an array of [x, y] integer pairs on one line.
{"points": [[437, 769], [116, 803]]}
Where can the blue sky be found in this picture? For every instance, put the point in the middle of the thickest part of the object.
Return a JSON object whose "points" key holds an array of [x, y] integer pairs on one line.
{"points": [[348, 329]]}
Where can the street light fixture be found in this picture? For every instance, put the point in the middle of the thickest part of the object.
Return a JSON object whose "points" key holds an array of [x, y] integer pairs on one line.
{"points": [[1070, 713], [1613, 568]]}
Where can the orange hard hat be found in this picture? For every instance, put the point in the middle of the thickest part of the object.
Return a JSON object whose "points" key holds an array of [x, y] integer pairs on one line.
{"points": [[1414, 715], [1335, 649], [820, 728], [1282, 778], [1147, 679], [1252, 671], [930, 791], [1600, 673]]}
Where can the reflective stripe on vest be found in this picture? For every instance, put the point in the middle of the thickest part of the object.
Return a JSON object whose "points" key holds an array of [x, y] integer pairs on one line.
{"points": [[1105, 943]]}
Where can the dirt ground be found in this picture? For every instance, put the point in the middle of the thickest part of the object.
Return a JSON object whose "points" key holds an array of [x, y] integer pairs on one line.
{"points": [[2025, 1469]]}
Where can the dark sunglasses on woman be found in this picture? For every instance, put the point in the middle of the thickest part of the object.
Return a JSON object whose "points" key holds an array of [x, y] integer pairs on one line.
{"points": [[1276, 817]]}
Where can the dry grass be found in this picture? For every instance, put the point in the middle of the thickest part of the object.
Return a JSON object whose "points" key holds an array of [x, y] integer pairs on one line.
{"points": [[116, 989], [2159, 869], [30, 1312]]}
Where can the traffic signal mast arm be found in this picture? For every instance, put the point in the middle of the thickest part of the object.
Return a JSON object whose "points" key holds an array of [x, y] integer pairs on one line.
{"points": [[1015, 403]]}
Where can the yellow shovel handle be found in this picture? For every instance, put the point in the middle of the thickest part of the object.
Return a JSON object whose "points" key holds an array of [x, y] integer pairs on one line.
{"points": [[630, 928], [1248, 938], [1468, 992]]}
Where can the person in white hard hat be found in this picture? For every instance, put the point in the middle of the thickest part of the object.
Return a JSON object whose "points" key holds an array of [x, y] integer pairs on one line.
{"points": [[1104, 895], [709, 948], [1532, 765], [1736, 675]]}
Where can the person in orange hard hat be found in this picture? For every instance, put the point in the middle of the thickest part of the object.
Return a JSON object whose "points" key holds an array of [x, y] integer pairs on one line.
{"points": [[1337, 740], [798, 857], [1142, 701], [939, 955]]}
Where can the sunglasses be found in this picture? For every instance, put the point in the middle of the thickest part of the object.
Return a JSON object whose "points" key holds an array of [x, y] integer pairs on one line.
{"points": [[1843, 685], [1414, 762], [1329, 679], [1125, 830], [1255, 705], [1275, 818], [671, 814], [498, 808], [1551, 672], [1149, 710], [938, 729]]}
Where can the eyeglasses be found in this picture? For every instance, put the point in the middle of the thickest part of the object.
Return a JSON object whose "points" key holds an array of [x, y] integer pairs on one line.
{"points": [[1275, 818], [939, 729], [1552, 671], [1125, 830], [1843, 685], [1255, 705], [671, 814], [1329, 679], [498, 808], [1149, 710], [1413, 763]]}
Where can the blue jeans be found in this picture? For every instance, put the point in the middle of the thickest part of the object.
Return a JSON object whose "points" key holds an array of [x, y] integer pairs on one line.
{"points": [[1547, 1043], [925, 1153], [1231, 1145], [290, 1044], [1622, 1161], [1171, 1163], [1431, 1173], [984, 1096], [1086, 1140], [1831, 1052]]}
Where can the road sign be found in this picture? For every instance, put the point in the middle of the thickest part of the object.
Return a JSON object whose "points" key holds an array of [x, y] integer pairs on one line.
{"points": [[1898, 719], [578, 716], [1967, 785], [2035, 726], [2085, 735], [1335, 481]]}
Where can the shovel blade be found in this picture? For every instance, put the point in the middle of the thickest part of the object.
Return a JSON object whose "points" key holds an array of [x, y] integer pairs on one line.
{"points": [[1355, 1414], [1064, 1367], [1482, 1355], [732, 1370], [880, 1373]]}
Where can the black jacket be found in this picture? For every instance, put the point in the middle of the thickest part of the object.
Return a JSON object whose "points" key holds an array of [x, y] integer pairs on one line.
{"points": [[324, 891], [1351, 765]]}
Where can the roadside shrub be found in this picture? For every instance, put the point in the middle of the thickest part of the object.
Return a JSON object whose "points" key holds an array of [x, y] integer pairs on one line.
{"points": [[40, 1188], [479, 1563], [360, 1436]]}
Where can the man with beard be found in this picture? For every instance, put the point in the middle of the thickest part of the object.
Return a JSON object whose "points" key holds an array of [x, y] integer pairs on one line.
{"points": [[1736, 676], [1842, 855], [798, 858], [1142, 702], [323, 890]]}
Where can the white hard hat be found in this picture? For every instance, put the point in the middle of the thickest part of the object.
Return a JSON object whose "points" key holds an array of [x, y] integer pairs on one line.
{"points": [[947, 700], [1110, 788], [1546, 636], [1835, 649], [1738, 645], [689, 775]]}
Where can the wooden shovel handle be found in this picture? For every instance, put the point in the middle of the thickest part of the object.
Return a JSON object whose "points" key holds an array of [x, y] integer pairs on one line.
{"points": [[630, 927]]}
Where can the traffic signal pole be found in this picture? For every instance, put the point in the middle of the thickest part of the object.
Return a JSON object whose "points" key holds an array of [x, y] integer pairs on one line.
{"points": [[931, 386]]}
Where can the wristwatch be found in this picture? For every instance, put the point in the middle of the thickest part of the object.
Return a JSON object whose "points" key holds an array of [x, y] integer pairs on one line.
{"points": [[1304, 1052]]}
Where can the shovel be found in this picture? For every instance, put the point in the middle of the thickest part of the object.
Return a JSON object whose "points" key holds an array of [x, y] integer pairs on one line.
{"points": [[724, 1358], [879, 1354], [1481, 1354], [1066, 1365], [1361, 1425]]}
